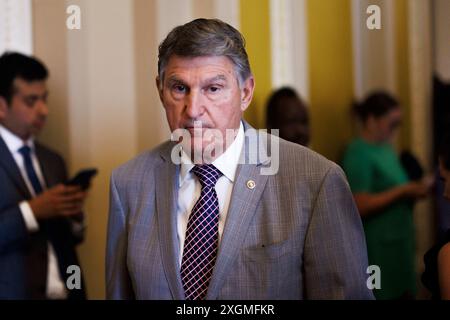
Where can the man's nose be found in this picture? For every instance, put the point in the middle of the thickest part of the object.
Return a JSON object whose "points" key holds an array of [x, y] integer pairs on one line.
{"points": [[43, 108], [194, 104]]}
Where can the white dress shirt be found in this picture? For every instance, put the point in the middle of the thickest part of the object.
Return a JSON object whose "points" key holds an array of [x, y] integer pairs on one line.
{"points": [[55, 285], [190, 187]]}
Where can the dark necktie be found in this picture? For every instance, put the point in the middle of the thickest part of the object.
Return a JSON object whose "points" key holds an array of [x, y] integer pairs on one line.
{"points": [[37, 267], [25, 151], [202, 235]]}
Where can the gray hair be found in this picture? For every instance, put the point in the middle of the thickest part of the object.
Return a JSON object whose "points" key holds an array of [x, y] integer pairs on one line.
{"points": [[205, 37]]}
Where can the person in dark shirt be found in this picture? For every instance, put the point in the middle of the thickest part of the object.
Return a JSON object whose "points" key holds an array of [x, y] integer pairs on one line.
{"points": [[287, 112], [437, 260]]}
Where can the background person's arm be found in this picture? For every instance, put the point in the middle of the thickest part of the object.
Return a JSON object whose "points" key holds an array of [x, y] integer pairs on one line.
{"points": [[369, 203], [17, 221], [359, 169]]}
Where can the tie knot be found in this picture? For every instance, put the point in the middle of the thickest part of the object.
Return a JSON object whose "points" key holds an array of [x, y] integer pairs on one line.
{"points": [[207, 174], [25, 150]]}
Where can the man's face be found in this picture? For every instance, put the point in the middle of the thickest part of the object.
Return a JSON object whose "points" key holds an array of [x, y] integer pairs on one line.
{"points": [[445, 173], [204, 90], [292, 120], [26, 114]]}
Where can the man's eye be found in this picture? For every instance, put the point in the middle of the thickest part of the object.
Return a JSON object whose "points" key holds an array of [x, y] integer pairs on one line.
{"points": [[179, 88], [213, 89], [30, 102]]}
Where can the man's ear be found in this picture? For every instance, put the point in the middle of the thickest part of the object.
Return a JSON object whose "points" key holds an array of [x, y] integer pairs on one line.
{"points": [[3, 108], [247, 90], [159, 87]]}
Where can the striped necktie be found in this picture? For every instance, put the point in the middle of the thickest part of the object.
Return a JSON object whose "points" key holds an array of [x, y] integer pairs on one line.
{"points": [[202, 235]]}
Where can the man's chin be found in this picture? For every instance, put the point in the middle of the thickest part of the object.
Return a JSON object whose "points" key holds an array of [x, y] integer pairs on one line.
{"points": [[36, 132], [200, 154], [37, 128]]}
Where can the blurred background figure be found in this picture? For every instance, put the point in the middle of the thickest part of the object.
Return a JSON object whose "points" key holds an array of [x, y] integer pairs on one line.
{"points": [[287, 112], [41, 218], [436, 277], [441, 125], [384, 195]]}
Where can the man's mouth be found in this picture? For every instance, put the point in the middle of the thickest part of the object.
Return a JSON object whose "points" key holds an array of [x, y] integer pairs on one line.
{"points": [[198, 129], [39, 124]]}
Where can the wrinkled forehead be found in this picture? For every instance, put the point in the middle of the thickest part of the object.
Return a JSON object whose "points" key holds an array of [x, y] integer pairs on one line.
{"points": [[220, 67]]}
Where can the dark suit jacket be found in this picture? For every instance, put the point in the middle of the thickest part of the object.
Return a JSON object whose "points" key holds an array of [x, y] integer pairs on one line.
{"points": [[23, 255]]}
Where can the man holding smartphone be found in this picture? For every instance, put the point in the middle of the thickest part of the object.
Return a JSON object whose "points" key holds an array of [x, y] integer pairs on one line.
{"points": [[41, 219]]}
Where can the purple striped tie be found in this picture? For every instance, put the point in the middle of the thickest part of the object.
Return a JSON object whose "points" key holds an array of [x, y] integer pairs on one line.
{"points": [[202, 235]]}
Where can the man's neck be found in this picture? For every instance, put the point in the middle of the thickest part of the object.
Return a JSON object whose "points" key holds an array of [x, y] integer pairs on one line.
{"points": [[10, 131]]}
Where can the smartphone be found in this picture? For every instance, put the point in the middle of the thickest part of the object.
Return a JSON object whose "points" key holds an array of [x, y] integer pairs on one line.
{"points": [[83, 178]]}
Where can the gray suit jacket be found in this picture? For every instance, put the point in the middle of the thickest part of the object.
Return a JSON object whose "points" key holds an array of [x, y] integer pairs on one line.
{"points": [[296, 235]]}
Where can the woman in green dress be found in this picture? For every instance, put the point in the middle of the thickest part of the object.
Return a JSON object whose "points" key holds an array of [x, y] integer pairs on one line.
{"points": [[384, 196]]}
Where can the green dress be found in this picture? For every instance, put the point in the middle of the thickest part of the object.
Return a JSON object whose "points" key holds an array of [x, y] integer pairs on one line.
{"points": [[390, 234]]}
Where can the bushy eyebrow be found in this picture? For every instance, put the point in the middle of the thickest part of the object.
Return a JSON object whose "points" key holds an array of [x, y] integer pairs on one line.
{"points": [[175, 80], [219, 77]]}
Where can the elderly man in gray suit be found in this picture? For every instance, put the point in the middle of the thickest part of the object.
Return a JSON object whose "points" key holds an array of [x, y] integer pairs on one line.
{"points": [[199, 218]]}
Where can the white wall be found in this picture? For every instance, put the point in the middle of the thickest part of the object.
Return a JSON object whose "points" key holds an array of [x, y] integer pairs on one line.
{"points": [[289, 45], [15, 26], [93, 103], [373, 50], [442, 38]]}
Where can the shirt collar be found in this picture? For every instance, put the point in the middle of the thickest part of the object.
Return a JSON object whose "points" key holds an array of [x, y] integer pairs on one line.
{"points": [[227, 162], [13, 142]]}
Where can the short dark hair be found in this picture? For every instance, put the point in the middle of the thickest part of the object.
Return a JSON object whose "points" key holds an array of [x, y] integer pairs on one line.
{"points": [[16, 65], [205, 37], [376, 104], [274, 104]]}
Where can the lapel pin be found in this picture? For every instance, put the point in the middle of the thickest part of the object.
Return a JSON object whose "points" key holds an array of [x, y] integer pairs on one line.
{"points": [[251, 184]]}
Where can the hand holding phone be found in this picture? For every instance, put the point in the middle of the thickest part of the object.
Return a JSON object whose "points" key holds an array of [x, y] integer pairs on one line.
{"points": [[83, 178]]}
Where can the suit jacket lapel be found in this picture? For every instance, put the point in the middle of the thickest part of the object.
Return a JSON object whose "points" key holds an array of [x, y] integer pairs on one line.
{"points": [[166, 209], [243, 204], [45, 165], [10, 166]]}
